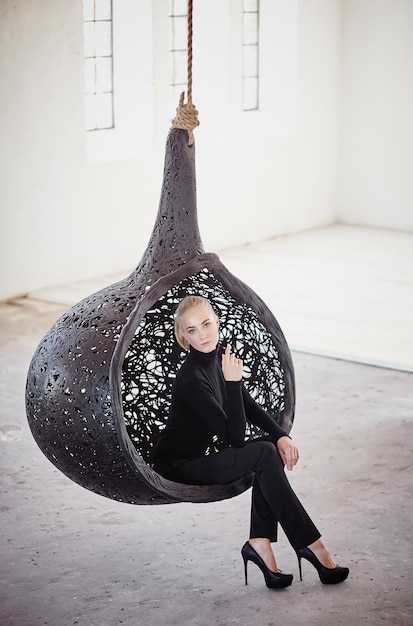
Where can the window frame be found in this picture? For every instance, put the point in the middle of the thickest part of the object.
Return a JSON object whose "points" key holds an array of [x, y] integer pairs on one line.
{"points": [[132, 134]]}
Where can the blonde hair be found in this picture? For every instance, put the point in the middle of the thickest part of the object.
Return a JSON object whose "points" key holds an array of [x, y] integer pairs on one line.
{"points": [[185, 304]]}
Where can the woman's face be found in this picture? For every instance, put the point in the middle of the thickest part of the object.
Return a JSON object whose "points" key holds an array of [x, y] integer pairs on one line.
{"points": [[199, 326]]}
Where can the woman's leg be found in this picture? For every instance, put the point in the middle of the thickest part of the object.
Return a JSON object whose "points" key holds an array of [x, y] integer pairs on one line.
{"points": [[263, 522], [273, 501]]}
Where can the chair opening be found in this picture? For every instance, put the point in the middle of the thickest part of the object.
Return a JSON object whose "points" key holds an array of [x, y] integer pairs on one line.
{"points": [[154, 356]]}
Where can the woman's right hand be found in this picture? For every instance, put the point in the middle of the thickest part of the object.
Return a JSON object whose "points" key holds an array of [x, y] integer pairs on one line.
{"points": [[231, 366]]}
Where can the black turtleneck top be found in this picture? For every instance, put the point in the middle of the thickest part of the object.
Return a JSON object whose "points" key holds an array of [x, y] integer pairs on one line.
{"points": [[203, 405]]}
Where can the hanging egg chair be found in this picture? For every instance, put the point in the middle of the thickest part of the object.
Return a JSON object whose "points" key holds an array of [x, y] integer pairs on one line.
{"points": [[99, 385]]}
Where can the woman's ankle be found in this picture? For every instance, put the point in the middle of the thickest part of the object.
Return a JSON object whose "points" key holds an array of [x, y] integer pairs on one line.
{"points": [[259, 542], [262, 547], [322, 553]]}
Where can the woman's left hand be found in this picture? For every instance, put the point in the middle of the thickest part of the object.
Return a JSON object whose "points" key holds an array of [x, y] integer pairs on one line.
{"points": [[231, 366], [288, 452]]}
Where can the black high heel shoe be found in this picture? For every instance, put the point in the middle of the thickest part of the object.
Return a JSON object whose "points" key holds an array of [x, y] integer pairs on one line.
{"points": [[328, 575], [273, 580]]}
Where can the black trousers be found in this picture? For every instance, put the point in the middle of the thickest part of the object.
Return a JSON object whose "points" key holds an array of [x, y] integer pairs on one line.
{"points": [[273, 499]]}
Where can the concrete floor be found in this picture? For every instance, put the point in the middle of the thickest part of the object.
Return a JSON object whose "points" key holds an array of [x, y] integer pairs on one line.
{"points": [[72, 557]]}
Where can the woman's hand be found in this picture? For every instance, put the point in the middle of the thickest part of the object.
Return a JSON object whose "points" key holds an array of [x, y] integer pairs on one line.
{"points": [[231, 366], [288, 452]]}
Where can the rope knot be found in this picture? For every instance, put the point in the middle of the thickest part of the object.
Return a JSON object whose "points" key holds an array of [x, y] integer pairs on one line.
{"points": [[186, 118]]}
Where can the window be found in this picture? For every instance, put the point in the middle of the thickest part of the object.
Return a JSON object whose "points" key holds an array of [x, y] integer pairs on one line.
{"points": [[250, 99], [97, 22], [119, 79]]}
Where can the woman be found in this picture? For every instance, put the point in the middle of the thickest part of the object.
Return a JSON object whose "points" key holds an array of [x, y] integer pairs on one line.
{"points": [[208, 398]]}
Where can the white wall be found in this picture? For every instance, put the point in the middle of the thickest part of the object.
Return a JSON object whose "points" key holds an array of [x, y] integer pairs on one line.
{"points": [[376, 144], [259, 175], [62, 219], [272, 172]]}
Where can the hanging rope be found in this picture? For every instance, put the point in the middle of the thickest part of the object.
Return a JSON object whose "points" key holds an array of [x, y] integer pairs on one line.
{"points": [[186, 114]]}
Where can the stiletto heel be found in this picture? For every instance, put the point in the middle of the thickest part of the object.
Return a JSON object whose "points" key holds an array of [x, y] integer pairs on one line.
{"points": [[328, 575], [273, 580], [299, 566], [245, 568]]}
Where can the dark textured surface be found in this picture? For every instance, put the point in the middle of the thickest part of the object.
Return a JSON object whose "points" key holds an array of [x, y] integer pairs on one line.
{"points": [[99, 383]]}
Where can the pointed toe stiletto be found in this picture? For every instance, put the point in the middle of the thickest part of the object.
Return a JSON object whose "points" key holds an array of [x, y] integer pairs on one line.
{"points": [[273, 580], [328, 575]]}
